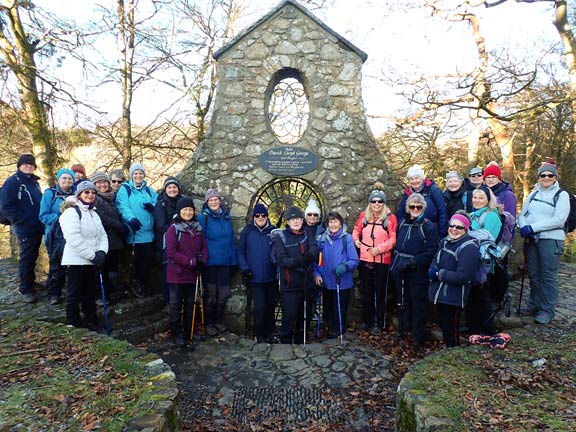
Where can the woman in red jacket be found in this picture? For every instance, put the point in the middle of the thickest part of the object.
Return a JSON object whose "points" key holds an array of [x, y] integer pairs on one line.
{"points": [[375, 236]]}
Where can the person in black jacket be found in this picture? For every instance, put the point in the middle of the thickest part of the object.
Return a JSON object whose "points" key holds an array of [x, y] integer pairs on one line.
{"points": [[112, 223], [20, 198], [164, 212], [451, 274], [416, 243], [295, 252], [259, 272]]}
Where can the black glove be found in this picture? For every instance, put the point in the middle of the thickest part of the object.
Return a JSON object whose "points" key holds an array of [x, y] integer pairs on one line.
{"points": [[148, 207], [135, 224], [247, 276], [310, 257], [99, 258], [199, 264]]}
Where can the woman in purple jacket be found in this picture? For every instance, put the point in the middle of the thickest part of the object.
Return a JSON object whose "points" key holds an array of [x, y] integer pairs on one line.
{"points": [[186, 250]]}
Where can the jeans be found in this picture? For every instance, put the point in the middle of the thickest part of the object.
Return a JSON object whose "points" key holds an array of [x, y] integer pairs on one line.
{"points": [[412, 297], [181, 303], [29, 245], [543, 261]]}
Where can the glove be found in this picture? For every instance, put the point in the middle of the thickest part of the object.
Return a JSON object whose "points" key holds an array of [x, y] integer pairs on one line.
{"points": [[99, 258], [340, 270], [135, 224], [527, 232], [199, 264], [433, 273], [148, 207], [247, 275]]}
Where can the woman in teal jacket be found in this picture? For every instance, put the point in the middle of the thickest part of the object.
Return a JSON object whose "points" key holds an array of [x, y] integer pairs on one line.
{"points": [[135, 201], [485, 214], [49, 213]]}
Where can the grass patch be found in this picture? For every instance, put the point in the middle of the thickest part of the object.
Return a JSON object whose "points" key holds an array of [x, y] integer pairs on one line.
{"points": [[52, 379], [500, 390]]}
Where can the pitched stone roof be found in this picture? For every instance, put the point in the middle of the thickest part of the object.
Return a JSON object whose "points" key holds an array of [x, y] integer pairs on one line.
{"points": [[306, 12]]}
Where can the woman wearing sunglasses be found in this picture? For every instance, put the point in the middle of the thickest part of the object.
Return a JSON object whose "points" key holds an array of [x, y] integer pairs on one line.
{"points": [[541, 224], [374, 235], [416, 243], [484, 217], [450, 275], [84, 254]]}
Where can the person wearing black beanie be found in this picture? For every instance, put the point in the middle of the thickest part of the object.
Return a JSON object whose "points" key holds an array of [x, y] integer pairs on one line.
{"points": [[20, 205]]}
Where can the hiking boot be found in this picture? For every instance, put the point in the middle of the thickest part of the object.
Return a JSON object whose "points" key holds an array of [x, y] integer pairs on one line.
{"points": [[54, 300], [138, 289], [28, 298], [527, 311], [543, 318], [261, 339], [211, 331]]}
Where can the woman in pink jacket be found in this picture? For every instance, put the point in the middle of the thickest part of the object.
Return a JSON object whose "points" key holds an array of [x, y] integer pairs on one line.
{"points": [[375, 236]]}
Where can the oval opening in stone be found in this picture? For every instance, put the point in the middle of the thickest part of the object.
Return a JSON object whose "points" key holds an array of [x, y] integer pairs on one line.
{"points": [[288, 109]]}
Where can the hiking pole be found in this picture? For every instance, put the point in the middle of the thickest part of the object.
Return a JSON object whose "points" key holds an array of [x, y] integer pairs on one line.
{"points": [[104, 303], [318, 309], [504, 303], [339, 310], [194, 308], [526, 244]]}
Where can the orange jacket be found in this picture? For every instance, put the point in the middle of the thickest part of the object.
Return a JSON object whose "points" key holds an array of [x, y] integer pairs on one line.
{"points": [[372, 234]]}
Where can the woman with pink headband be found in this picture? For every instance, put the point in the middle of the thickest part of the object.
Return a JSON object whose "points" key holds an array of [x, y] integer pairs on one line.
{"points": [[450, 275]]}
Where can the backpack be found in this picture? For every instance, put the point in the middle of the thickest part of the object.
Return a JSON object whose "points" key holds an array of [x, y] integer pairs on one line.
{"points": [[490, 254], [570, 224], [3, 219], [344, 238], [365, 222], [507, 231], [55, 242], [278, 233]]}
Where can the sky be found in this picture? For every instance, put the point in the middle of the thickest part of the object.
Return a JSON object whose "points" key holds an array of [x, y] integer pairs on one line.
{"points": [[400, 41]]}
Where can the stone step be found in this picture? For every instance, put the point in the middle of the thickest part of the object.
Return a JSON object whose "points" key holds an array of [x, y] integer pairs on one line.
{"points": [[130, 308], [141, 328]]}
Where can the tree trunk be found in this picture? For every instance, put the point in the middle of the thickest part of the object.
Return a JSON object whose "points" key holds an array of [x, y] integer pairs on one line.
{"points": [[127, 30]]}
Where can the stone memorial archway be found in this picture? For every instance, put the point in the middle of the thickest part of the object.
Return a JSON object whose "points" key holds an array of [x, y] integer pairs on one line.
{"points": [[288, 113]]}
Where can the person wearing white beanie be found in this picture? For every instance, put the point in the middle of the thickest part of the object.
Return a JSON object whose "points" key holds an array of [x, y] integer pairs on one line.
{"points": [[313, 219], [435, 205]]}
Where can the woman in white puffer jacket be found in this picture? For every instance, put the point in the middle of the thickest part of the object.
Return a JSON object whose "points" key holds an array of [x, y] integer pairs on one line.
{"points": [[84, 253]]}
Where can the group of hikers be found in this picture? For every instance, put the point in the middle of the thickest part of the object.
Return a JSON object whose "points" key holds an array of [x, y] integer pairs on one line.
{"points": [[430, 251]]}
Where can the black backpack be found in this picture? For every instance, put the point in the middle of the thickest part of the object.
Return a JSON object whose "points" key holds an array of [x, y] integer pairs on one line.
{"points": [[278, 233], [3, 219], [55, 242]]}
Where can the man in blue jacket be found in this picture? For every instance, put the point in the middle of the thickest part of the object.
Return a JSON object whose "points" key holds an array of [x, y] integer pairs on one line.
{"points": [[20, 201]]}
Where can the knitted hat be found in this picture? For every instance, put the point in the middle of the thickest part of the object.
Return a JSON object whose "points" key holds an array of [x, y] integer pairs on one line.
{"points": [[83, 186], [259, 209], [376, 193], [486, 190], [293, 212], [136, 167], [548, 167], [26, 159], [171, 180], [62, 171], [461, 218], [312, 207], [100, 176], [183, 203], [493, 170], [452, 174], [415, 171], [79, 168], [212, 193], [118, 172], [475, 170]]}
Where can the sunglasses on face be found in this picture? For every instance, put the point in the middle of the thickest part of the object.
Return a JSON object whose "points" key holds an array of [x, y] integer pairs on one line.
{"points": [[89, 192], [415, 207], [475, 175], [458, 227], [116, 181], [312, 214], [260, 215], [546, 176], [377, 201]]}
